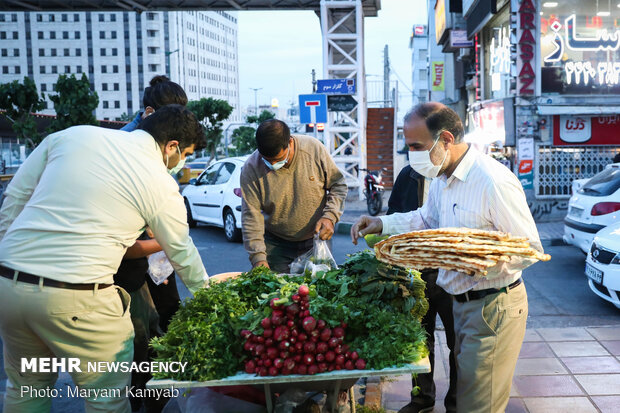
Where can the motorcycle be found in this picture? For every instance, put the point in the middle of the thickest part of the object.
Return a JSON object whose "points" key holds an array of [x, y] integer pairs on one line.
{"points": [[373, 190]]}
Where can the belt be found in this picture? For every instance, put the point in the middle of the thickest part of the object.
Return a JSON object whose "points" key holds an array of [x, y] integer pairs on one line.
{"points": [[35, 279], [478, 294]]}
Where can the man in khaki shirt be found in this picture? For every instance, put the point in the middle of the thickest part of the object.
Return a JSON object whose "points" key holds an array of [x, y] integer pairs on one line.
{"points": [[292, 189]]}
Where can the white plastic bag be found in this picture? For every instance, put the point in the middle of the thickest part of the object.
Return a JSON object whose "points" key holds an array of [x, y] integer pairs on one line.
{"points": [[159, 267], [319, 258]]}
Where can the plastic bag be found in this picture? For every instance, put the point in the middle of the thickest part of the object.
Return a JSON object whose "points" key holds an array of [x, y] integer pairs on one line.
{"points": [[205, 400], [319, 258], [159, 267]]}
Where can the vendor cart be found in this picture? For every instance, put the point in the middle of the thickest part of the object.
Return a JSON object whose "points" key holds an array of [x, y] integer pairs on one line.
{"points": [[333, 381]]}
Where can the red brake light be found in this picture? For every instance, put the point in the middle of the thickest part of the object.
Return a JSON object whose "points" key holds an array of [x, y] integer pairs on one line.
{"points": [[604, 208], [237, 191]]}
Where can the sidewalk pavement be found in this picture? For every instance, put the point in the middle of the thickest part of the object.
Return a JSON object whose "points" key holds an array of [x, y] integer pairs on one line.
{"points": [[559, 370]]}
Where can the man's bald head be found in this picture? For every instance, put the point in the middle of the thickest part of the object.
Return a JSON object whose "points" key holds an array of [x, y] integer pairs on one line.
{"points": [[438, 117]]}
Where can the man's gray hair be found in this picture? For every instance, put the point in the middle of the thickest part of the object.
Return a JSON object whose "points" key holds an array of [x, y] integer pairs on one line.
{"points": [[438, 118]]}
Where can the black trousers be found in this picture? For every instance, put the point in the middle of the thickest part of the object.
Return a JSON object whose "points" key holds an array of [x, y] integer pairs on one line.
{"points": [[440, 302], [166, 299]]}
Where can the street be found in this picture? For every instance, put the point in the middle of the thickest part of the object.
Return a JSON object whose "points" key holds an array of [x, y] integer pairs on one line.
{"points": [[557, 290]]}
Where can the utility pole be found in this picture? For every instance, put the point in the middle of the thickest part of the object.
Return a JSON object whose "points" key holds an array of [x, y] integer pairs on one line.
{"points": [[386, 76], [256, 89], [313, 81], [168, 69]]}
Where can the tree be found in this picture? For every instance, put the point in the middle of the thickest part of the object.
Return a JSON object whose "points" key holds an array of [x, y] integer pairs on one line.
{"points": [[211, 113], [244, 140], [74, 104], [127, 117], [265, 115], [19, 101]]}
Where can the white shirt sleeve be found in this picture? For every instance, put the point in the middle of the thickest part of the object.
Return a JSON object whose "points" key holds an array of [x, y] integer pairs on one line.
{"points": [[424, 217], [21, 187], [170, 228]]}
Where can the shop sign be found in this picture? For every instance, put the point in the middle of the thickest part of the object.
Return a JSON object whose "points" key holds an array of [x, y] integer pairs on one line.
{"points": [[575, 130], [527, 42], [525, 151], [458, 38], [437, 69], [440, 19], [419, 30], [499, 58]]}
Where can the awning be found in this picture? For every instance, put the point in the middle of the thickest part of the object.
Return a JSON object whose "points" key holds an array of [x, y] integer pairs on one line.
{"points": [[578, 110]]}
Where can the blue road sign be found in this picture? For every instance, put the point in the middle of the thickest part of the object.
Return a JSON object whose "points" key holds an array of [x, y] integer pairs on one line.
{"points": [[336, 86], [313, 108]]}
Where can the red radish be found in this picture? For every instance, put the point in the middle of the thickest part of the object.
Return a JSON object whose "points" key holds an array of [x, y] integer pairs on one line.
{"points": [[333, 342], [309, 324], [292, 309], [309, 347], [250, 367], [314, 339], [322, 367], [245, 334], [247, 346], [338, 349], [315, 333], [264, 356], [292, 340], [260, 339], [320, 358], [281, 333], [278, 363], [295, 298], [331, 367], [277, 319], [354, 355], [340, 360], [290, 316], [299, 346], [330, 356], [294, 332], [321, 347], [303, 307], [284, 354], [338, 332], [260, 363], [273, 304], [308, 359], [302, 337], [290, 324], [267, 363], [259, 349], [313, 369], [326, 334], [286, 372], [267, 333], [346, 347], [320, 324], [360, 364], [349, 365], [307, 313], [268, 342], [343, 324], [289, 364], [273, 371], [263, 371], [297, 358], [303, 290], [347, 354], [302, 369], [266, 322], [338, 367], [272, 353]]}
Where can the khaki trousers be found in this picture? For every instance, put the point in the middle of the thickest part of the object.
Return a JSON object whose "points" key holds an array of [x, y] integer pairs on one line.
{"points": [[489, 334], [92, 325]]}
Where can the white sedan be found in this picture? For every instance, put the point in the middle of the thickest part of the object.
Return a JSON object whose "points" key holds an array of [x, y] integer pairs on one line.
{"points": [[603, 264], [593, 207], [214, 198]]}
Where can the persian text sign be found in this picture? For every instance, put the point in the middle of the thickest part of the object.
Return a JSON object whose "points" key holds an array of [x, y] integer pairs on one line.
{"points": [[572, 130], [527, 43], [437, 71]]}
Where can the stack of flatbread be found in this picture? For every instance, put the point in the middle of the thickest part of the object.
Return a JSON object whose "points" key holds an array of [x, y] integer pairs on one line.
{"points": [[470, 251]]}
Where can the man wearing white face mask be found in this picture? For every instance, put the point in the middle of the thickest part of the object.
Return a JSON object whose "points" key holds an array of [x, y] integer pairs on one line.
{"points": [[472, 190], [76, 204], [292, 189]]}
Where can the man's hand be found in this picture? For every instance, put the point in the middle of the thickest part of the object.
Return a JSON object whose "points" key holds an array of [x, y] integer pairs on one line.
{"points": [[261, 264], [325, 228], [366, 225]]}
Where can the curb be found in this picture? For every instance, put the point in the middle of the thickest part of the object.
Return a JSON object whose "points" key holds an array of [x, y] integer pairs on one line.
{"points": [[372, 397]]}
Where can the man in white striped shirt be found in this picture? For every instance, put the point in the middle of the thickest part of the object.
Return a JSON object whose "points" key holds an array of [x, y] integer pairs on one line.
{"points": [[472, 190]]}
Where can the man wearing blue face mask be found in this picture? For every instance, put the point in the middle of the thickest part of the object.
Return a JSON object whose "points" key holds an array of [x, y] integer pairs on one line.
{"points": [[292, 189], [471, 190]]}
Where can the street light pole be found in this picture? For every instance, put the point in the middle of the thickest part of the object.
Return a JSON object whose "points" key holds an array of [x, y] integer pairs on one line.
{"points": [[168, 70], [255, 89]]}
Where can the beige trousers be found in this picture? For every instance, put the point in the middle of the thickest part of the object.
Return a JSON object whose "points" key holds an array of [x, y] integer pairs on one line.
{"points": [[92, 325], [489, 334]]}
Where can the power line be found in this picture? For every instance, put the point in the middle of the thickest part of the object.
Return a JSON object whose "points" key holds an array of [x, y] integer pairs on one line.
{"points": [[400, 79]]}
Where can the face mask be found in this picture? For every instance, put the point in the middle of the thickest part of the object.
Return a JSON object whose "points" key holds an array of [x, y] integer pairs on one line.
{"points": [[421, 162], [175, 170], [277, 165]]}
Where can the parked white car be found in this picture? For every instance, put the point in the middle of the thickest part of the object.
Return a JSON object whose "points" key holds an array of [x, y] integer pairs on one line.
{"points": [[593, 207], [603, 264], [214, 198]]}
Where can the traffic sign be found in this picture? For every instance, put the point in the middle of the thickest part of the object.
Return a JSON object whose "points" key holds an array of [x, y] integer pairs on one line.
{"points": [[341, 103], [336, 86], [313, 108]]}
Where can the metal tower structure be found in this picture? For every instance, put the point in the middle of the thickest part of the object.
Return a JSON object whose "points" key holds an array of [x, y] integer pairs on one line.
{"points": [[342, 26]]}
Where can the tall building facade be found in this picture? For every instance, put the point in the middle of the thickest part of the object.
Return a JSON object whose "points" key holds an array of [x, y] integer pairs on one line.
{"points": [[121, 51], [418, 43]]}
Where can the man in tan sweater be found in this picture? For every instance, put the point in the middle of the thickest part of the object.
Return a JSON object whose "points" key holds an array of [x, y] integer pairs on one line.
{"points": [[292, 190]]}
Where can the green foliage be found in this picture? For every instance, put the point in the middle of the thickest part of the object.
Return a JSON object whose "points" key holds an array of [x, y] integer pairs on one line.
{"points": [[211, 113], [19, 100], [244, 140], [369, 409], [127, 117], [265, 115], [74, 103]]}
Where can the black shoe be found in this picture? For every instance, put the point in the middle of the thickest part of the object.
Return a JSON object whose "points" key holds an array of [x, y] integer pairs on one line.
{"points": [[415, 407]]}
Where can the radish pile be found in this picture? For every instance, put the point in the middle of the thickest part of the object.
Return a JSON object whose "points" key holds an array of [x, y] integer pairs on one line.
{"points": [[294, 342]]}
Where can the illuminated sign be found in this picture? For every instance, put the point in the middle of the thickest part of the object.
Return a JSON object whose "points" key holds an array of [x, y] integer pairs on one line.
{"points": [[419, 30], [458, 38], [438, 75], [573, 130], [585, 72], [440, 19], [526, 77], [499, 58]]}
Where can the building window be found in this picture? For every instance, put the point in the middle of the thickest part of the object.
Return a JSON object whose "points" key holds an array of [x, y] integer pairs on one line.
{"points": [[112, 17], [101, 17], [54, 69], [153, 68], [117, 104], [115, 69], [116, 86], [104, 69], [102, 52], [65, 18], [67, 69], [102, 34], [51, 18], [150, 16], [76, 17], [105, 104], [39, 35], [5, 70], [1, 17], [5, 52], [67, 52], [18, 70], [52, 35], [41, 69], [152, 50], [15, 35], [65, 35], [115, 52], [14, 17], [78, 69], [78, 52], [114, 35], [151, 33], [104, 87], [77, 35], [43, 87], [39, 17], [53, 52], [16, 52]]}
